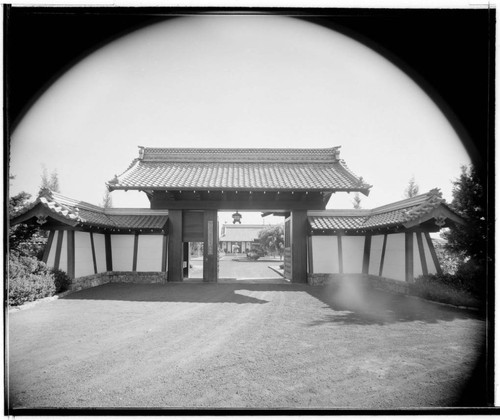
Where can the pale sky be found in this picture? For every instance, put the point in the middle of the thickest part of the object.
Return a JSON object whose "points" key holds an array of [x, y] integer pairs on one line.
{"points": [[235, 81]]}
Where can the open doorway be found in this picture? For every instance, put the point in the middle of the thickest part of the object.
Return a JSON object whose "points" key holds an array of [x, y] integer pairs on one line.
{"points": [[193, 260], [252, 249]]}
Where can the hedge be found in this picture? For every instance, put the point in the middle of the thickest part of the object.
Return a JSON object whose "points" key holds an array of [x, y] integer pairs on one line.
{"points": [[30, 279]]}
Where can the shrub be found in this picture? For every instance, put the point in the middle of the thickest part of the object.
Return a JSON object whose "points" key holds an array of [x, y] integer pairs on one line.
{"points": [[61, 280], [27, 289], [446, 288], [22, 266]]}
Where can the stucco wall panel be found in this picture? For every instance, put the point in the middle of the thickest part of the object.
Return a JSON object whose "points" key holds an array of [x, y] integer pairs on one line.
{"points": [[352, 253], [84, 264], [123, 252], [325, 254], [52, 252], [149, 252], [375, 254], [431, 267], [394, 264], [100, 252]]}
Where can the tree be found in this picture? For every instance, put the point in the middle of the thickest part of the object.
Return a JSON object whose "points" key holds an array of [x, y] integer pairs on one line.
{"points": [[107, 200], [50, 182], [357, 201], [412, 188], [272, 239], [470, 239], [25, 238]]}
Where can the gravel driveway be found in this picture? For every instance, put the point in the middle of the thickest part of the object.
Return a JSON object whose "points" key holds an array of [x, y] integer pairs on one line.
{"points": [[240, 345]]}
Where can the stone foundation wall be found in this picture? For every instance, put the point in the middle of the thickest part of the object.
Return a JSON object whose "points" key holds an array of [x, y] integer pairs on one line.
{"points": [[138, 277], [389, 285], [319, 279], [382, 283]]}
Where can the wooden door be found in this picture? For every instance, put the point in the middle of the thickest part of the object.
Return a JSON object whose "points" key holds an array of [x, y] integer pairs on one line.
{"points": [[288, 249]]}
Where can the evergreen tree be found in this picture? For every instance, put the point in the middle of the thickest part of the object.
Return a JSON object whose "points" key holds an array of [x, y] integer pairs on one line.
{"points": [[412, 188], [357, 201], [469, 201], [50, 182], [107, 200]]}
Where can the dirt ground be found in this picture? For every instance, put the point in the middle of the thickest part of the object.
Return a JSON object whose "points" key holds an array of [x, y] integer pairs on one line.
{"points": [[240, 346]]}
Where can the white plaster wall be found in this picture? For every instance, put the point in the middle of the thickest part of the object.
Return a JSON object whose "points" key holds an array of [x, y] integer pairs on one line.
{"points": [[100, 252], [325, 254], [417, 262], [394, 263], [149, 252], [122, 248], [375, 254], [84, 264], [431, 268], [352, 254], [63, 262], [52, 253]]}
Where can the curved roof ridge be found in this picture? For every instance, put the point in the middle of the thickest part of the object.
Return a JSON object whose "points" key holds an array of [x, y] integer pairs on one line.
{"points": [[291, 155]]}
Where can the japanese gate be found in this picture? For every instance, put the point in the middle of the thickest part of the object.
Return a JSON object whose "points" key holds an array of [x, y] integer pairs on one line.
{"points": [[194, 184]]}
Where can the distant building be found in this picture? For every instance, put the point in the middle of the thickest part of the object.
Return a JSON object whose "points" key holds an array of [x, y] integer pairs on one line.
{"points": [[237, 239]]}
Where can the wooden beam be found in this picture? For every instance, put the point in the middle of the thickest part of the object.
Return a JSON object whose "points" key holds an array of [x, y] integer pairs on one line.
{"points": [[164, 252], [175, 245], [48, 245], [339, 253], [421, 252], [382, 256], [433, 253], [57, 259], [409, 257], [136, 248], [109, 252], [92, 245], [366, 254], [310, 254], [71, 253], [255, 204]]}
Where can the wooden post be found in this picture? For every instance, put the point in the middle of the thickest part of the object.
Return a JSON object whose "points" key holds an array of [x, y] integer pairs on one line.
{"points": [[339, 252], [421, 252], [210, 237], [299, 246], [164, 253], [366, 254], [109, 252], [175, 245], [310, 254], [382, 256], [57, 259], [92, 245], [136, 249], [46, 251], [71, 253], [409, 257]]}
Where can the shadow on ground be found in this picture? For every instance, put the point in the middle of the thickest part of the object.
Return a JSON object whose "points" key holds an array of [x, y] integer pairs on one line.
{"points": [[350, 302]]}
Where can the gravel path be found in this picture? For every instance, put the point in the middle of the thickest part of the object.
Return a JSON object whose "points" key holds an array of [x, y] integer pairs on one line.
{"points": [[239, 345]]}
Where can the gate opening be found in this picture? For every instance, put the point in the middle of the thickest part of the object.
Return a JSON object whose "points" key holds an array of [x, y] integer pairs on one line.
{"points": [[193, 260], [253, 249]]}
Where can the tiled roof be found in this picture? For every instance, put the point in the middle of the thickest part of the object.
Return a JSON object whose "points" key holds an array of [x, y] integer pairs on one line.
{"points": [[239, 169], [86, 214], [391, 215]]}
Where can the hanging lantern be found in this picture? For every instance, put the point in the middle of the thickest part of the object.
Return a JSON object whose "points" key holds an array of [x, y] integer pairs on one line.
{"points": [[236, 218]]}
